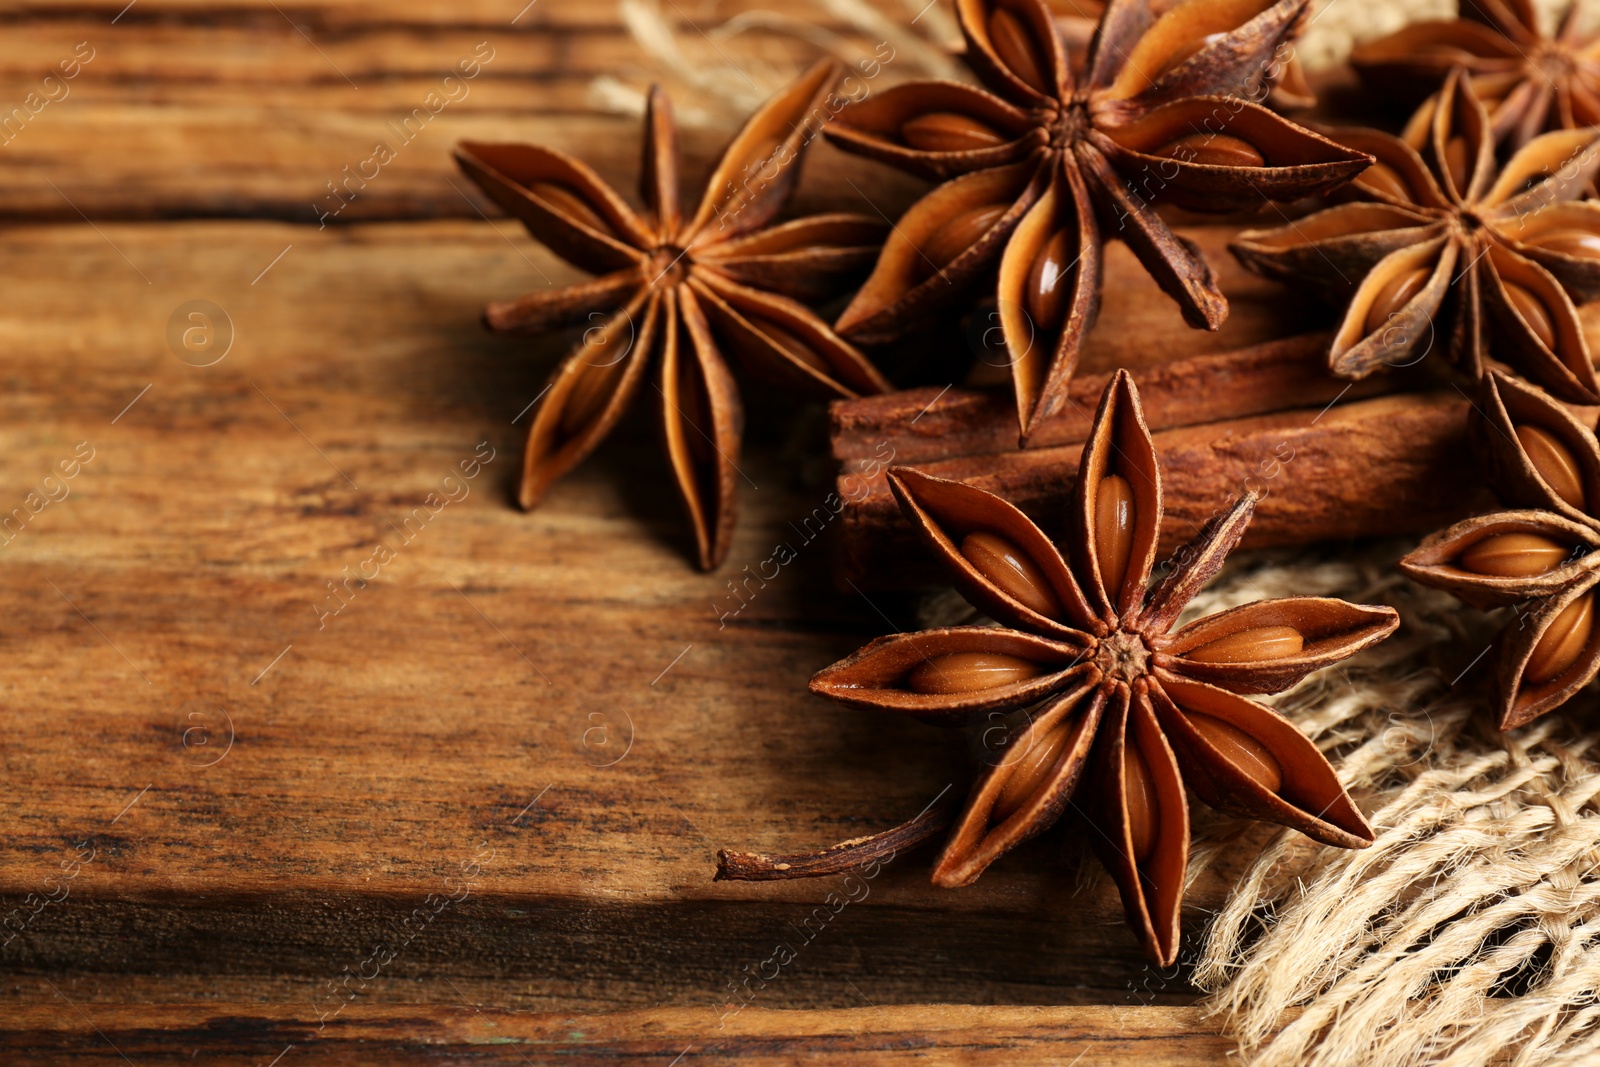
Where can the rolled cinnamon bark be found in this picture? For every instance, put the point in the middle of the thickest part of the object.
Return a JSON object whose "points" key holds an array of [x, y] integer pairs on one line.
{"points": [[932, 423], [1384, 466]]}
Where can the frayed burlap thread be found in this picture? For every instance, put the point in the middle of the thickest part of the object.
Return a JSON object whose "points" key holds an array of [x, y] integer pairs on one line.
{"points": [[1469, 933]]}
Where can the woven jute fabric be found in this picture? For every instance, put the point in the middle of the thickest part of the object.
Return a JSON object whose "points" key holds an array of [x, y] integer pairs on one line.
{"points": [[1469, 933]]}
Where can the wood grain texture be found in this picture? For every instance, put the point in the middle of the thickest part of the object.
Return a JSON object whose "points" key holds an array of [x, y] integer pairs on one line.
{"points": [[497, 659], [243, 1035]]}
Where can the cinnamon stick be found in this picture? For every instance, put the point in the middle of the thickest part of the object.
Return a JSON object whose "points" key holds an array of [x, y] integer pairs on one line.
{"points": [[1384, 466], [932, 423]]}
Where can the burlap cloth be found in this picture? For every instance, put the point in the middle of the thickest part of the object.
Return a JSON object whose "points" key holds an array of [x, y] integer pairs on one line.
{"points": [[1470, 932]]}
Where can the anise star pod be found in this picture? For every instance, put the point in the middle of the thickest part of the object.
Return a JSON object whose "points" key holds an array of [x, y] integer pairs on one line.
{"points": [[1053, 157], [1531, 83], [1540, 557], [1445, 250], [1128, 714], [678, 292]]}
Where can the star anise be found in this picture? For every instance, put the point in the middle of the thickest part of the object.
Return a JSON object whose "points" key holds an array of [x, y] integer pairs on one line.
{"points": [[1444, 242], [1147, 711], [1531, 83], [1541, 557], [1060, 155], [679, 291]]}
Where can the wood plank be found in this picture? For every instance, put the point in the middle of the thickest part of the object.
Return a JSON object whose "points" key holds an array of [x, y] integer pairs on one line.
{"points": [[247, 1036], [375, 751], [251, 116]]}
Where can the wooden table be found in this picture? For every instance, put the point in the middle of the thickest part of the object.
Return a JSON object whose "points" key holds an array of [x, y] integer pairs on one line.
{"points": [[472, 814]]}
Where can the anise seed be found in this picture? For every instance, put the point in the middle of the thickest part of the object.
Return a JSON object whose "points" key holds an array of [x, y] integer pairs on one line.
{"points": [[588, 395], [1554, 463], [1248, 646], [1580, 244], [1031, 771], [1382, 178], [1144, 812], [1191, 48], [956, 236], [1455, 162], [1534, 313], [1242, 750], [1113, 530], [1004, 564], [569, 203], [1396, 293], [1045, 295], [1513, 555], [1213, 150], [1013, 44], [794, 344], [968, 672], [948, 131], [1563, 642]]}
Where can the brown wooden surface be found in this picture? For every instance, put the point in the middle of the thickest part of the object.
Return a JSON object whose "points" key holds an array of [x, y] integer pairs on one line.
{"points": [[233, 1035], [464, 703]]}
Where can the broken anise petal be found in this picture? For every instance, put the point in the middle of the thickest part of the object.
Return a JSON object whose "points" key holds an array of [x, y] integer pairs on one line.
{"points": [[1542, 560]]}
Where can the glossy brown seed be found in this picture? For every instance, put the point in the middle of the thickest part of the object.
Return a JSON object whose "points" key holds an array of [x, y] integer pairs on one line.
{"points": [[794, 345], [1144, 812], [956, 236], [1213, 150], [1113, 530], [947, 131], [1033, 767], [1396, 293], [1534, 313], [1554, 462], [1249, 646], [1513, 555], [1563, 642], [1046, 292], [968, 672], [1382, 178], [1189, 49], [694, 409], [588, 395], [569, 203], [1014, 45], [1455, 162], [1241, 750], [1004, 564], [1580, 244]]}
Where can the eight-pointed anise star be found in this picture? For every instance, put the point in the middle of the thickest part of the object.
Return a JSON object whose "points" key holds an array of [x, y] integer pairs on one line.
{"points": [[1039, 170], [1149, 712], [1531, 83], [1545, 555], [680, 291], [1453, 252]]}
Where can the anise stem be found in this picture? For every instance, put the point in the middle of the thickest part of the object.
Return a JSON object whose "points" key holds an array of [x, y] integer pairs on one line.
{"points": [[843, 858]]}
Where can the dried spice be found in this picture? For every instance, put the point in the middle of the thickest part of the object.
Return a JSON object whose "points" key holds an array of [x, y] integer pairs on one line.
{"points": [[1141, 712], [1056, 156], [1531, 83], [679, 292], [1539, 558], [1454, 253]]}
